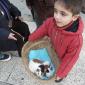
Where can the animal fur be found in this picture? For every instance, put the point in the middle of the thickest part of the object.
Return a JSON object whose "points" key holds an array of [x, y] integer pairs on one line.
{"points": [[39, 67]]}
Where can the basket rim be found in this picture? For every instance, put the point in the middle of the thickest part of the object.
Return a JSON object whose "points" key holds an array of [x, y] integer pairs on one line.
{"points": [[29, 44], [24, 58]]}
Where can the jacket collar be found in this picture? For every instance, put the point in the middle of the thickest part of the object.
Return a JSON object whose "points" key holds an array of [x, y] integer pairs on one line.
{"points": [[77, 30]]}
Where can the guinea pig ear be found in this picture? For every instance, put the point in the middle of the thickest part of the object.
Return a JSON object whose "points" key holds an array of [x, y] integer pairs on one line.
{"points": [[41, 66]]}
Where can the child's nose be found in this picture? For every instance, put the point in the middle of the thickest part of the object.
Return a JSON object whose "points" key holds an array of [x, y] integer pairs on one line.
{"points": [[57, 16]]}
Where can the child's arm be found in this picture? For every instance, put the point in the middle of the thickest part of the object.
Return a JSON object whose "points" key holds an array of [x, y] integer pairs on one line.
{"points": [[70, 57], [40, 32]]}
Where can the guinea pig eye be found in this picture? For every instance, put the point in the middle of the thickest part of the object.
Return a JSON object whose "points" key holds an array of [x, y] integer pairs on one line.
{"points": [[47, 71]]}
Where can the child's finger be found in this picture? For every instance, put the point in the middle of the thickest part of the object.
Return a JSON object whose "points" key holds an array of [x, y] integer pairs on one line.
{"points": [[14, 38]]}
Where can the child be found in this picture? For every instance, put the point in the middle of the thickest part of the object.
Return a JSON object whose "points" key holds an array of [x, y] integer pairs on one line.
{"points": [[65, 31]]}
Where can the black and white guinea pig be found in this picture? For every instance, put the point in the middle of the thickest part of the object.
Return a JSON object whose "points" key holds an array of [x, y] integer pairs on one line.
{"points": [[39, 67]]}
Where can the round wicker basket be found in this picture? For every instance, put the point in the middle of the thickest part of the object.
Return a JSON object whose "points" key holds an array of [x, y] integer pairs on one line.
{"points": [[41, 43]]}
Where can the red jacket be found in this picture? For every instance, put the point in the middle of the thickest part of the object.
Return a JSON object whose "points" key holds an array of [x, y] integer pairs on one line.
{"points": [[67, 44]]}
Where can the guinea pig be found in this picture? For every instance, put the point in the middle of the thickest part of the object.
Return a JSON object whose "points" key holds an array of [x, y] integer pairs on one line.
{"points": [[38, 67]]}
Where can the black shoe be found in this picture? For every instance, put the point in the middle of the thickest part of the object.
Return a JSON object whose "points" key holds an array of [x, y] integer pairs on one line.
{"points": [[5, 57], [59, 80]]}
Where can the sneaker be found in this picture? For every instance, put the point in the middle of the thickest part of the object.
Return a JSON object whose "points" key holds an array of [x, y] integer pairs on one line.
{"points": [[5, 57]]}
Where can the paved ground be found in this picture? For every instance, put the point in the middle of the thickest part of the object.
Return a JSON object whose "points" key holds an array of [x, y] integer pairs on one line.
{"points": [[14, 73]]}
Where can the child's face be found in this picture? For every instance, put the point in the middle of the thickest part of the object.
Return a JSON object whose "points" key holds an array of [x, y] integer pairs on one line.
{"points": [[63, 16]]}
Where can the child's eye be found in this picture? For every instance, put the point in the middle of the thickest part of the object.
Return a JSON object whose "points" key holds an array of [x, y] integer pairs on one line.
{"points": [[63, 14]]}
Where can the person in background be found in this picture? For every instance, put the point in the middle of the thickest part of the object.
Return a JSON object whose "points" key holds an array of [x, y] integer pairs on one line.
{"points": [[65, 31], [83, 8], [12, 34], [40, 9]]}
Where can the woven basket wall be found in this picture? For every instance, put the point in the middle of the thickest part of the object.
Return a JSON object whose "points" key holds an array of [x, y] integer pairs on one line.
{"points": [[42, 43]]}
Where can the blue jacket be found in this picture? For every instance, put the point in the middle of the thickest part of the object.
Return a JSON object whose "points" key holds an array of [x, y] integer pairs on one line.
{"points": [[7, 12]]}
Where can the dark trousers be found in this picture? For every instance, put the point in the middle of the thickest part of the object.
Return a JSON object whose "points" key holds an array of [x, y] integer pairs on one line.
{"points": [[21, 31], [21, 28], [36, 17]]}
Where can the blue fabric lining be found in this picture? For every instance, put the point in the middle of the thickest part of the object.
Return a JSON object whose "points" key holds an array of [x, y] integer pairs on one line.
{"points": [[42, 54]]}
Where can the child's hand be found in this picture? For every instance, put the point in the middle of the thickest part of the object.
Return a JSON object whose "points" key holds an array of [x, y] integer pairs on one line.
{"points": [[11, 36], [58, 79]]}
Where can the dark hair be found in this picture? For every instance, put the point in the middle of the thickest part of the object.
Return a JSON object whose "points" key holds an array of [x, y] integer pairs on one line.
{"points": [[75, 6]]}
